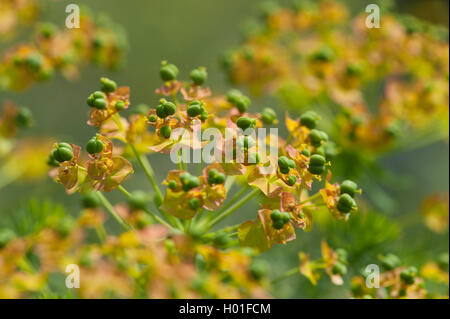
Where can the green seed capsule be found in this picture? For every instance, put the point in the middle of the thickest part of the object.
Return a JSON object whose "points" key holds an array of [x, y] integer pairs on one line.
{"points": [[204, 116], [291, 163], [65, 145], [193, 182], [325, 54], [354, 69], [90, 200], [309, 119], [166, 131], [24, 117], [278, 224], [285, 217], [317, 137], [242, 104], [47, 30], [35, 61], [219, 178], [244, 122], [172, 184], [390, 262], [253, 158], [408, 275], [108, 85], [317, 160], [221, 239], [316, 170], [348, 187], [339, 269], [138, 200], [194, 110], [90, 100], [185, 178], [169, 108], [212, 172], [233, 96], [119, 105], [320, 151], [100, 104], [51, 161], [194, 203], [306, 152], [345, 203], [94, 146], [259, 269], [443, 261], [283, 162], [199, 76], [152, 118], [98, 95], [161, 111], [292, 179], [268, 116], [62, 154], [168, 72]]}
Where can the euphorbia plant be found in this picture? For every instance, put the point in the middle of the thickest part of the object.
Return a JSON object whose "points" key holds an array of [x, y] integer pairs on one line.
{"points": [[195, 203]]}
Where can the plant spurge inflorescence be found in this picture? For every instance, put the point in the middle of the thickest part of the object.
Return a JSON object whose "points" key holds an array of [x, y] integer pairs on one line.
{"points": [[226, 193], [61, 50], [314, 55], [194, 203]]}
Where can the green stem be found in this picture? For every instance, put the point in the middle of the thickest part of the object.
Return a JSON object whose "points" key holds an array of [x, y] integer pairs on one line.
{"points": [[101, 233], [145, 164], [109, 207], [287, 274], [234, 198], [310, 199], [153, 215], [233, 208]]}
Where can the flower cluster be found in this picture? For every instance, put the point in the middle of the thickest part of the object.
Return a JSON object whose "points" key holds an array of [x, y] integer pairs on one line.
{"points": [[21, 158], [14, 13], [314, 55], [396, 281], [334, 262], [147, 262], [192, 203], [62, 50]]}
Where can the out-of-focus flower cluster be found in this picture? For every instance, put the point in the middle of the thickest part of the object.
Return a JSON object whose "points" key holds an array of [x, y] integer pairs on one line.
{"points": [[14, 13], [334, 262], [314, 55], [21, 158], [144, 263], [435, 212], [62, 50], [397, 281]]}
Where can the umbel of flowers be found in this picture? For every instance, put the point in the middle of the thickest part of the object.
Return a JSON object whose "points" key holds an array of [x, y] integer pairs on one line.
{"points": [[314, 55], [195, 203], [62, 50]]}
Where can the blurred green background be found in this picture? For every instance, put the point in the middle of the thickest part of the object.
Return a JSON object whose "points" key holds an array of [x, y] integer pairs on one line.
{"points": [[194, 33]]}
